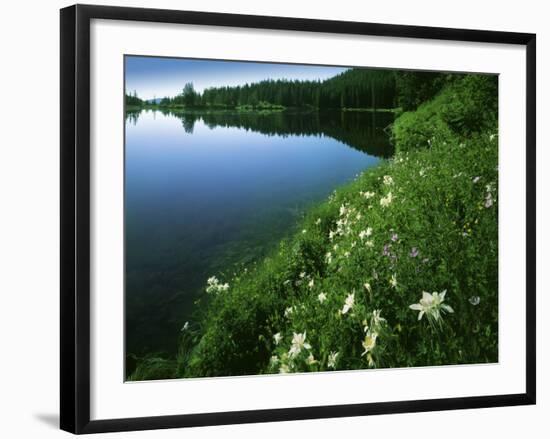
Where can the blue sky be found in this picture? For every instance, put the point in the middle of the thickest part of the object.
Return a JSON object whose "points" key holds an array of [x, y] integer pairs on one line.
{"points": [[150, 76]]}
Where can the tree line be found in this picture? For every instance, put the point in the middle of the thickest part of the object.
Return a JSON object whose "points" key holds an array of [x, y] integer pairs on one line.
{"points": [[354, 88]]}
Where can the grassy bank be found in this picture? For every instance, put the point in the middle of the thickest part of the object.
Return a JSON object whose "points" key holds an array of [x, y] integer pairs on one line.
{"points": [[338, 294]]}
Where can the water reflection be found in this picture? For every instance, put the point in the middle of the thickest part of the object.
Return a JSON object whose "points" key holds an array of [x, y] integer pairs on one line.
{"points": [[364, 131]]}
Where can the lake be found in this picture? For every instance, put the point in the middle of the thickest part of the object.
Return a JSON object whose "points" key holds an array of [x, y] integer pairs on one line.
{"points": [[209, 193]]}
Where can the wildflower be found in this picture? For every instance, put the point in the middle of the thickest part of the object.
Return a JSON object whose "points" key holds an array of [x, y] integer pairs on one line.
{"points": [[214, 285], [488, 200], [318, 221], [388, 180], [332, 359], [414, 252], [289, 311], [369, 243], [367, 287], [476, 179], [343, 210], [365, 233], [185, 327], [274, 360], [369, 342], [346, 254], [432, 305], [365, 324], [331, 235], [311, 360], [492, 137], [386, 251], [277, 338], [328, 257], [298, 343], [284, 368], [349, 302], [376, 317], [393, 281], [368, 194], [304, 231], [386, 201], [310, 283], [474, 300], [370, 360], [394, 237], [302, 274], [322, 297]]}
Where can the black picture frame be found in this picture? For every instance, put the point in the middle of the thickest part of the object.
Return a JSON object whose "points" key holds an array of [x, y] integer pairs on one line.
{"points": [[75, 217]]}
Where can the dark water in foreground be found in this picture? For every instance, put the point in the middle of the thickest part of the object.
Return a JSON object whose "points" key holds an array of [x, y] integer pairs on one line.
{"points": [[205, 193]]}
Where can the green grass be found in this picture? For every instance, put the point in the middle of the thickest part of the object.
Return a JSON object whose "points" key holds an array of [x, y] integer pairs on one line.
{"points": [[436, 232]]}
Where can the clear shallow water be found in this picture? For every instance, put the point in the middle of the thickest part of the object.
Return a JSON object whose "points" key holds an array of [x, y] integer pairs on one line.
{"points": [[207, 193]]}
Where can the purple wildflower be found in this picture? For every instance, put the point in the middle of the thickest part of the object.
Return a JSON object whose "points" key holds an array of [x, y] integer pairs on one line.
{"points": [[414, 252], [394, 237], [386, 251]]}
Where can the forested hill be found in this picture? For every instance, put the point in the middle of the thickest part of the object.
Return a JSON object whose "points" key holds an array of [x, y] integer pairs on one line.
{"points": [[359, 88]]}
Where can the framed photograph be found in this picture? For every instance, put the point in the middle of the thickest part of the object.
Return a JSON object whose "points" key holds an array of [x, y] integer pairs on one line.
{"points": [[268, 218]]}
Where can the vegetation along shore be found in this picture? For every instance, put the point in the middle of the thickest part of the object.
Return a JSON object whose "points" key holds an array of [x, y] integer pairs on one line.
{"points": [[398, 268]]}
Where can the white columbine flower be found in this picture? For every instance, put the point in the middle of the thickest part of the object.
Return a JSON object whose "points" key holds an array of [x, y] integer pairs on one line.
{"points": [[376, 318], [284, 368], [388, 180], [365, 233], [393, 281], [311, 360], [289, 311], [322, 297], [348, 304], [277, 338], [213, 285], [369, 342], [310, 284], [386, 201], [298, 343], [432, 305], [332, 359]]}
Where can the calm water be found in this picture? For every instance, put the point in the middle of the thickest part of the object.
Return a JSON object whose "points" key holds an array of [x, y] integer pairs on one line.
{"points": [[206, 193]]}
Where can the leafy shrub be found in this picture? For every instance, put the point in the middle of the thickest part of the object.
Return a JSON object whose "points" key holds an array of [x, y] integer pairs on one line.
{"points": [[465, 107]]}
